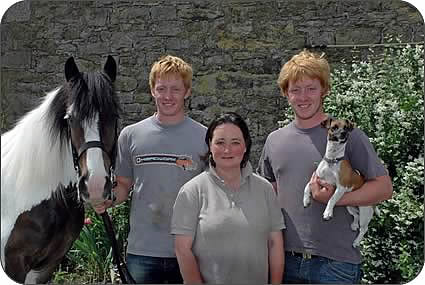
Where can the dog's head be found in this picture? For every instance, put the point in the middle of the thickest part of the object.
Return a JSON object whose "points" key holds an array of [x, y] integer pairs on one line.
{"points": [[338, 130]]}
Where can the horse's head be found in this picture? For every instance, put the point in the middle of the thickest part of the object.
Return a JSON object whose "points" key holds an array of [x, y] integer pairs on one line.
{"points": [[92, 116]]}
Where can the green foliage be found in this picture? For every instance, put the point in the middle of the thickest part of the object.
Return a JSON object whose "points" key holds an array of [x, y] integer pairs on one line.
{"points": [[384, 97], [91, 253]]}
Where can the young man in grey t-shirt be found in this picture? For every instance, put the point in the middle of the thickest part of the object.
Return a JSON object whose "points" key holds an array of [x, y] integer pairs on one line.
{"points": [[157, 156], [317, 251]]}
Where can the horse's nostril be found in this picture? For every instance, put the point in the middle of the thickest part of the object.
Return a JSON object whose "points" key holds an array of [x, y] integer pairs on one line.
{"points": [[82, 187], [82, 182]]}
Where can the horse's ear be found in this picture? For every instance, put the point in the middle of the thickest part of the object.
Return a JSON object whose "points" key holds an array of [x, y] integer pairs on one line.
{"points": [[110, 68], [71, 69]]}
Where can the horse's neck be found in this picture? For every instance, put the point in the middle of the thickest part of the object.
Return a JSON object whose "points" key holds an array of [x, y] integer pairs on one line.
{"points": [[67, 196], [32, 166]]}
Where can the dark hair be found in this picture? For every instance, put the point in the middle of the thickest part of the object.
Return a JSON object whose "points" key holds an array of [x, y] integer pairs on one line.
{"points": [[228, 118]]}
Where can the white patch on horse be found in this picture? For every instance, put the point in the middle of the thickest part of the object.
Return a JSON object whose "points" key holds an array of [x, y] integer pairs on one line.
{"points": [[32, 166], [94, 160], [32, 277]]}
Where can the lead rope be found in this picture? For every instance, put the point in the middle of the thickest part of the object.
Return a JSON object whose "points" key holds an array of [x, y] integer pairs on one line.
{"points": [[125, 275]]}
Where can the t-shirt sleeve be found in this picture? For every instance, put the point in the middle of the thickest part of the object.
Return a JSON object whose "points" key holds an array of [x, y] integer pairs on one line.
{"points": [[186, 210], [277, 221], [363, 157], [264, 166], [124, 161]]}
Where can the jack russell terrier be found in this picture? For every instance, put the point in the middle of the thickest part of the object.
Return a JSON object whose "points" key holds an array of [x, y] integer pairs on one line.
{"points": [[336, 171]]}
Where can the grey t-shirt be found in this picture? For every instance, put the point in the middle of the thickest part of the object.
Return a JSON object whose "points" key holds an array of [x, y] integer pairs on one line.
{"points": [[159, 159], [230, 229], [290, 156]]}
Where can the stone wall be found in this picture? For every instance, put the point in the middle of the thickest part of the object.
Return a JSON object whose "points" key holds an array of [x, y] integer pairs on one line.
{"points": [[236, 48]]}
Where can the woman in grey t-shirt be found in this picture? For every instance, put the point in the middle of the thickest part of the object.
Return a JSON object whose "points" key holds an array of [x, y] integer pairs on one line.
{"points": [[226, 220]]}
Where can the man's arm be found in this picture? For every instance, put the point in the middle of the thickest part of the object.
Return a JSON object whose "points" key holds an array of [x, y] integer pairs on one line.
{"points": [[121, 194], [371, 193], [275, 187]]}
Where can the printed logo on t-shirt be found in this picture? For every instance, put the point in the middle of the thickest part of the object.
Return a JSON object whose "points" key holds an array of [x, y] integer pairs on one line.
{"points": [[183, 161]]}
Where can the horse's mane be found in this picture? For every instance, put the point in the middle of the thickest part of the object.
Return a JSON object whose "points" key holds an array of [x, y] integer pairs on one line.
{"points": [[90, 93]]}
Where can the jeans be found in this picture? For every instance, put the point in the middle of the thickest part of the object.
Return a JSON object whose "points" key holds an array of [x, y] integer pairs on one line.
{"points": [[158, 270], [319, 269]]}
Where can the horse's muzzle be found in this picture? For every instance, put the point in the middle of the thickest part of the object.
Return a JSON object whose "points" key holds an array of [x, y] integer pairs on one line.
{"points": [[96, 189]]}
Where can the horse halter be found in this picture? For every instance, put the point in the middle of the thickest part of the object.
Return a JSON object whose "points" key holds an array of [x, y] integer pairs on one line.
{"points": [[76, 155]]}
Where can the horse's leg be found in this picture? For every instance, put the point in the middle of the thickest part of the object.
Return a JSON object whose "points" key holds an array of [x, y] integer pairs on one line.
{"points": [[24, 246], [16, 266], [42, 276], [64, 230], [40, 239]]}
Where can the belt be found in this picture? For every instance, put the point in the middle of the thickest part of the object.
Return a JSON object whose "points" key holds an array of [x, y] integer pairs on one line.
{"points": [[304, 255]]}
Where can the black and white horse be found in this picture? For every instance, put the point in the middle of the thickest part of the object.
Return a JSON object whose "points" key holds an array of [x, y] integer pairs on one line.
{"points": [[57, 157]]}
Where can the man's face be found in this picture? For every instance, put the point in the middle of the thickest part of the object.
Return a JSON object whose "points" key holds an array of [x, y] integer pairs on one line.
{"points": [[305, 97], [169, 93]]}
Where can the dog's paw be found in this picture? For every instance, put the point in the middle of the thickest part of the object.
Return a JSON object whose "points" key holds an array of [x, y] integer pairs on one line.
{"points": [[355, 226], [327, 215], [306, 201], [356, 243]]}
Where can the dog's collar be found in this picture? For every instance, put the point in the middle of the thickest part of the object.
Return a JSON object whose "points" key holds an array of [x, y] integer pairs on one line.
{"points": [[333, 160]]}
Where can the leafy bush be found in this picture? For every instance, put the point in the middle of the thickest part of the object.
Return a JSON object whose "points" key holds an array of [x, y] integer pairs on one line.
{"points": [[384, 97], [397, 256], [91, 253]]}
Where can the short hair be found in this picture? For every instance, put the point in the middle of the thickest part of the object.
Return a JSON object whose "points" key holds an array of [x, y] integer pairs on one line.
{"points": [[171, 65], [229, 118], [305, 64]]}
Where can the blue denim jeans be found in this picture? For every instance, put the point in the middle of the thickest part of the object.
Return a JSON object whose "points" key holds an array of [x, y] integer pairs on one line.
{"points": [[319, 270], [154, 270]]}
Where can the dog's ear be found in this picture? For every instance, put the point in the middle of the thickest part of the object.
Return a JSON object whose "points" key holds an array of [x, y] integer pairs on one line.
{"points": [[350, 125], [326, 123]]}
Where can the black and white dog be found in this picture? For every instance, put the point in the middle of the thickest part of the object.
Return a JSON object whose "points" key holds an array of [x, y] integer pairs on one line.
{"points": [[336, 171]]}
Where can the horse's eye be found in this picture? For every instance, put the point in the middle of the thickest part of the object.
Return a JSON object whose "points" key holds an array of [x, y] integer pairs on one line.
{"points": [[69, 118], [72, 121]]}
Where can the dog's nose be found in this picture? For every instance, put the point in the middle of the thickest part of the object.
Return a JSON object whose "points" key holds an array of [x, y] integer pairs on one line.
{"points": [[344, 135]]}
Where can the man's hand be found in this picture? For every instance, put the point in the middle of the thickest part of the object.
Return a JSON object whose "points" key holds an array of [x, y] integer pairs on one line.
{"points": [[101, 208], [320, 190]]}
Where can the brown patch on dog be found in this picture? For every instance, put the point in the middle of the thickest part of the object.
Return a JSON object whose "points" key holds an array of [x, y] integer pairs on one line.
{"points": [[348, 177]]}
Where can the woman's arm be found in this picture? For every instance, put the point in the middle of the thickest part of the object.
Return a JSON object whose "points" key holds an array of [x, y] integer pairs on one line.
{"points": [[276, 257], [187, 262]]}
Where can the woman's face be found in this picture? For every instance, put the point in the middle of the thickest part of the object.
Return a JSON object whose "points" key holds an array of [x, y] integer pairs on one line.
{"points": [[227, 146]]}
